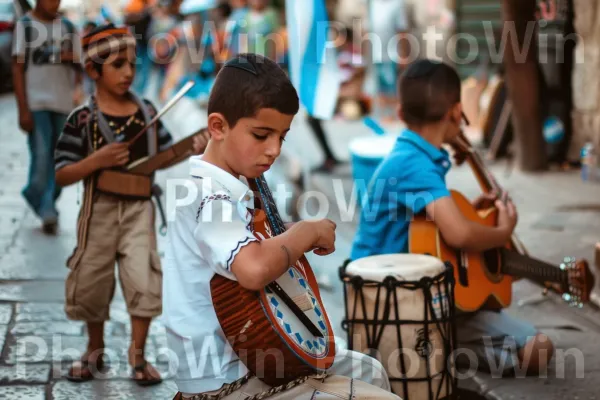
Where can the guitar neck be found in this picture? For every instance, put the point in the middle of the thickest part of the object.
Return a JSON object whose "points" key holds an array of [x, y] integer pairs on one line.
{"points": [[517, 264]]}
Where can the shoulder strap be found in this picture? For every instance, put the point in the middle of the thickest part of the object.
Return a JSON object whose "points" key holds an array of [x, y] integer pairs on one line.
{"points": [[152, 131]]}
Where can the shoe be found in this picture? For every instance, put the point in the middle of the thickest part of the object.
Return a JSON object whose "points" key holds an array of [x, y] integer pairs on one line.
{"points": [[50, 225]]}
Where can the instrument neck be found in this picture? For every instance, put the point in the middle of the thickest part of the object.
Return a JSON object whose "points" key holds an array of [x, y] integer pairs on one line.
{"points": [[516, 264], [269, 205], [485, 179]]}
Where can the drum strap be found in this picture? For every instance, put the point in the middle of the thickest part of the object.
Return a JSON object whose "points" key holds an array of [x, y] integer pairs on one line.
{"points": [[235, 386]]}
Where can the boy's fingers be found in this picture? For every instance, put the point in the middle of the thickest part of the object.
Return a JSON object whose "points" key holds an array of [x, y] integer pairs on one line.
{"points": [[500, 205], [511, 209]]}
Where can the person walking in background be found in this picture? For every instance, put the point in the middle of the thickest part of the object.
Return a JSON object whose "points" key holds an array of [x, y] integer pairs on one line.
{"points": [[233, 28], [46, 74], [261, 22], [388, 20], [138, 15]]}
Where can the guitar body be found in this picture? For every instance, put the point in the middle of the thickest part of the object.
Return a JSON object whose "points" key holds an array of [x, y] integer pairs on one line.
{"points": [[267, 337], [478, 280]]}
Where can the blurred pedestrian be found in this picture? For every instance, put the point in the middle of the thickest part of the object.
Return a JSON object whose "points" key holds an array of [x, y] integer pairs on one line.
{"points": [[114, 224], [47, 76], [389, 23], [138, 15]]}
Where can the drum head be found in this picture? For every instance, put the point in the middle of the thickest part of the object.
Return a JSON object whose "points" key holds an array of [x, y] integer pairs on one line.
{"points": [[403, 267]]}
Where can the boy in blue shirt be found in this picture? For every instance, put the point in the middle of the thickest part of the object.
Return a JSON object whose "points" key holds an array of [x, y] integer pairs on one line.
{"points": [[411, 180]]}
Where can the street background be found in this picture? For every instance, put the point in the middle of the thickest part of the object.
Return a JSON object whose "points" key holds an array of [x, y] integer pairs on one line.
{"points": [[558, 217]]}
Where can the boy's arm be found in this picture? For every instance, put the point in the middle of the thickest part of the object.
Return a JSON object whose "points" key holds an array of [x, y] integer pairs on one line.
{"points": [[72, 162], [462, 233], [231, 249], [260, 263], [18, 72], [111, 155]]}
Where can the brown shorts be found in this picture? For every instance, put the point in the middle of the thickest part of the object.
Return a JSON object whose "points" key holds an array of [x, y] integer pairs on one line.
{"points": [[120, 231]]}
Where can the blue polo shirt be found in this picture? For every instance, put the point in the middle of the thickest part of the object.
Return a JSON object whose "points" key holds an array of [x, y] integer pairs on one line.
{"points": [[410, 177]]}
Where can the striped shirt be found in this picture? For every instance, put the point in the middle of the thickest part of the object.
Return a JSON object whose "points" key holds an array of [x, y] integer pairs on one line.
{"points": [[72, 144]]}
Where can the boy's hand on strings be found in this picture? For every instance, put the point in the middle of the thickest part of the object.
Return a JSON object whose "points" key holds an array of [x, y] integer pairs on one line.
{"points": [[485, 201], [325, 236], [507, 215], [113, 154]]}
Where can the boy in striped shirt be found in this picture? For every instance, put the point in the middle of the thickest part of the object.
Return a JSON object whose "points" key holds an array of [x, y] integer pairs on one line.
{"points": [[111, 228]]}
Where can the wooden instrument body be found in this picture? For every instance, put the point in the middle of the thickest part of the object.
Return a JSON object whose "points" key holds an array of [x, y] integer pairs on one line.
{"points": [[125, 184], [484, 279], [484, 284], [178, 152], [256, 330]]}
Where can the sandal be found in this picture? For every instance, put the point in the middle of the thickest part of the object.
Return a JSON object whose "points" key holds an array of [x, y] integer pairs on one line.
{"points": [[147, 380], [86, 368]]}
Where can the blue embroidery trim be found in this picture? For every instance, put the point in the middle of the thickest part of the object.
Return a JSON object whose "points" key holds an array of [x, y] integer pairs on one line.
{"points": [[240, 244]]}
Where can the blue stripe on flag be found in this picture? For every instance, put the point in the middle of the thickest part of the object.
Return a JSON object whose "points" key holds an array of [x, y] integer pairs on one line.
{"points": [[315, 75], [311, 63]]}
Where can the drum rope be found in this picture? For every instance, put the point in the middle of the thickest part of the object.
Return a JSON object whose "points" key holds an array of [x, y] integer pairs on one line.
{"points": [[237, 385], [439, 315]]}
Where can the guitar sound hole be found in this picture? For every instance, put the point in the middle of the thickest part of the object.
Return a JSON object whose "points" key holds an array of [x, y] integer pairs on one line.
{"points": [[490, 259]]}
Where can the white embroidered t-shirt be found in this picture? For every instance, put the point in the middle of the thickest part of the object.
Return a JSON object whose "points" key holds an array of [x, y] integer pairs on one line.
{"points": [[209, 223]]}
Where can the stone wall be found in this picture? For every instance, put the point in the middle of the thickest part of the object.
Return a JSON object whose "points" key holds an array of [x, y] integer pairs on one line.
{"points": [[586, 77]]}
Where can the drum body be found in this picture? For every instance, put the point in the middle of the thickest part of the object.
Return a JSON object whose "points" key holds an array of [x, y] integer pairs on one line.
{"points": [[400, 310]]}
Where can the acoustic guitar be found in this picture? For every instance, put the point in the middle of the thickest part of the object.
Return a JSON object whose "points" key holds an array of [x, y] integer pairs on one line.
{"points": [[485, 279], [281, 332]]}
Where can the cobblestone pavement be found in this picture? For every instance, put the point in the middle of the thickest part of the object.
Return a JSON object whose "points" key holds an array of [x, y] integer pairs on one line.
{"points": [[558, 216]]}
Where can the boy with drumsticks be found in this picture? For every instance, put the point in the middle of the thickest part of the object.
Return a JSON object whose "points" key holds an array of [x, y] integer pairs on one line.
{"points": [[414, 174], [250, 111], [111, 227]]}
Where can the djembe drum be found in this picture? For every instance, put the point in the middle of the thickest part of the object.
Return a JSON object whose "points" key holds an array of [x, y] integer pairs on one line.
{"points": [[400, 310]]}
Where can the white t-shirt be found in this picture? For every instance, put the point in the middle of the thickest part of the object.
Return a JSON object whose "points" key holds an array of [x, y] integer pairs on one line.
{"points": [[387, 18], [204, 237]]}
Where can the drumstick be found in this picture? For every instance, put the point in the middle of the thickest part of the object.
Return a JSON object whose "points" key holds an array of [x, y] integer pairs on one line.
{"points": [[162, 112]]}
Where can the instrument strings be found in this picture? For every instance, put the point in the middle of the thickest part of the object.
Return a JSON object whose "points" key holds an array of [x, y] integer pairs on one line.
{"points": [[270, 206]]}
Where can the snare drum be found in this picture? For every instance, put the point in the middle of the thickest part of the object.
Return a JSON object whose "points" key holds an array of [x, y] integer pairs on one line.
{"points": [[400, 310]]}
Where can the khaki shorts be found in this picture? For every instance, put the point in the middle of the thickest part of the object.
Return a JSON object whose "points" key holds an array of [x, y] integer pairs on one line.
{"points": [[120, 231]]}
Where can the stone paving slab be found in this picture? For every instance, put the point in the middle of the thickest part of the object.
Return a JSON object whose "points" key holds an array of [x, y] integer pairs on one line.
{"points": [[67, 328], [29, 392], [111, 390], [38, 291], [25, 374], [6, 312], [39, 312], [61, 348], [583, 388], [3, 333]]}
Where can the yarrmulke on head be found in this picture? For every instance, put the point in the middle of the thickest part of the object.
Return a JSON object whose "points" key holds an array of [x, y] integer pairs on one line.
{"points": [[105, 40], [428, 89], [248, 83]]}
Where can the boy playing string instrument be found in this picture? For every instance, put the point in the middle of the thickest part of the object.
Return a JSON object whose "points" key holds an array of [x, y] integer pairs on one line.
{"points": [[413, 175], [111, 227], [251, 108]]}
